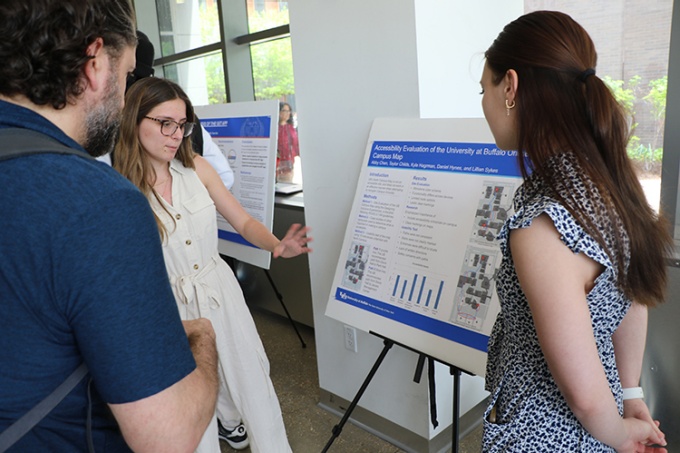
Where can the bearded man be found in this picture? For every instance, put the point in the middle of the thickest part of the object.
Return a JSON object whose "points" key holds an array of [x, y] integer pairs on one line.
{"points": [[82, 277]]}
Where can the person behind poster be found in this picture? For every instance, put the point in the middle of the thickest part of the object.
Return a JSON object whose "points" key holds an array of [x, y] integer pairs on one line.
{"points": [[288, 146], [154, 152], [583, 255]]}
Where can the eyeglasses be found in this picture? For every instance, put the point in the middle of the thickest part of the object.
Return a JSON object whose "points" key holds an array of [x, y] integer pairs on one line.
{"points": [[285, 111], [169, 127]]}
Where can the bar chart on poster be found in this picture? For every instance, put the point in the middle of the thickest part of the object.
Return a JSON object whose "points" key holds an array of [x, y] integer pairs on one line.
{"points": [[401, 284], [420, 250]]}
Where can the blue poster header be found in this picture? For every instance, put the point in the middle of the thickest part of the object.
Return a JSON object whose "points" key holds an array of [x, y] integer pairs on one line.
{"points": [[475, 158], [250, 127]]}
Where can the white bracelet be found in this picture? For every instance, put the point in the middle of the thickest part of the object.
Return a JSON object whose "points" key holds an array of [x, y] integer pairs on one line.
{"points": [[633, 393]]}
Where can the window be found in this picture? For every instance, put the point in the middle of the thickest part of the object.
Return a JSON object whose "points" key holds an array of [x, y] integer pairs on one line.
{"points": [[186, 25], [223, 51], [632, 40], [272, 65], [266, 14], [202, 78], [190, 48], [196, 48], [271, 56], [273, 70]]}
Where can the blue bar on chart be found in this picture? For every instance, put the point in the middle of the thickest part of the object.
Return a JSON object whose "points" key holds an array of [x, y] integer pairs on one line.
{"points": [[417, 288], [422, 285], [439, 294], [413, 286]]}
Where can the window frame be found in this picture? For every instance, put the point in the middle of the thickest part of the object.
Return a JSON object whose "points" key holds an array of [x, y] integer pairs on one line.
{"points": [[234, 45]]}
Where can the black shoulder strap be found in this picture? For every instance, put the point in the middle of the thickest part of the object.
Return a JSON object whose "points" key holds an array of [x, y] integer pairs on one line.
{"points": [[31, 418], [17, 142]]}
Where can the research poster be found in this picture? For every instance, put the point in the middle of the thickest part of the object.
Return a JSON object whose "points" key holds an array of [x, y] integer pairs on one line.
{"points": [[420, 252], [246, 133]]}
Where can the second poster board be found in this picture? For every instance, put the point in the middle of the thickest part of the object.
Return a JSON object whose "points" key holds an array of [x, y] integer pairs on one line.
{"points": [[246, 133]]}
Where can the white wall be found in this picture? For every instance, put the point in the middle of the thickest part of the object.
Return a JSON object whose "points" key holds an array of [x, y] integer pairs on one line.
{"points": [[451, 40], [355, 60]]}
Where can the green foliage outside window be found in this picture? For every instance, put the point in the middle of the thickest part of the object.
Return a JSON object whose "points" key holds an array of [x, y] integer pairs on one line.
{"points": [[657, 98], [214, 69], [272, 69], [272, 61], [646, 155]]}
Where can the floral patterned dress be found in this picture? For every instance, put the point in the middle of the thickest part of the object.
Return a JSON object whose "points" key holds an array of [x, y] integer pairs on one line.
{"points": [[531, 413]]}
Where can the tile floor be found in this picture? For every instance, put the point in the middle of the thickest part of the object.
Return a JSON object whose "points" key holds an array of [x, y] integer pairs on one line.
{"points": [[294, 374]]}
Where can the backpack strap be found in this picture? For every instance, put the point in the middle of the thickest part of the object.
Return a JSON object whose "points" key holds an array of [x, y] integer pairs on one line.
{"points": [[31, 418], [17, 142]]}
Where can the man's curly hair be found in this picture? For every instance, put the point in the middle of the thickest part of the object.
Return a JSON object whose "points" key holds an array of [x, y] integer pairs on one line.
{"points": [[43, 44]]}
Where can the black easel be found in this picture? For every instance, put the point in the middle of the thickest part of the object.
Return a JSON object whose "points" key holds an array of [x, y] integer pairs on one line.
{"points": [[456, 408], [337, 429], [388, 343], [280, 297]]}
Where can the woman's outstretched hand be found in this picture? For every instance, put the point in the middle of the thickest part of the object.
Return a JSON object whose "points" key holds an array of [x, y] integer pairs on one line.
{"points": [[294, 242]]}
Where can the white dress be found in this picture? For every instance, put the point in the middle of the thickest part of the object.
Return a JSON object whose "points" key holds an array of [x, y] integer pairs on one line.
{"points": [[204, 286]]}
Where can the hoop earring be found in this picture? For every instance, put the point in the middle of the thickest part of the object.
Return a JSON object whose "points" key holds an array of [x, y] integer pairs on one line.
{"points": [[509, 106]]}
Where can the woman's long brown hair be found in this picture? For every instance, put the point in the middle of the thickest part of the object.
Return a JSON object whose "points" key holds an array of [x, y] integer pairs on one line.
{"points": [[561, 108], [131, 160]]}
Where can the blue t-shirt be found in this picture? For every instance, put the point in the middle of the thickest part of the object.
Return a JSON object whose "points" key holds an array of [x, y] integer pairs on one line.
{"points": [[82, 278]]}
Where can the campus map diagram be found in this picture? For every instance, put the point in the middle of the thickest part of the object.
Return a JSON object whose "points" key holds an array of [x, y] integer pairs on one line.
{"points": [[355, 266], [475, 282], [494, 203], [475, 288]]}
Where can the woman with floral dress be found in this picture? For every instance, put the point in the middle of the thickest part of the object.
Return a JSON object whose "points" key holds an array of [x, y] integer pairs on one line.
{"points": [[583, 254]]}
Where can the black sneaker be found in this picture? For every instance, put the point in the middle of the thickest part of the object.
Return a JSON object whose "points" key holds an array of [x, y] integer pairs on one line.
{"points": [[237, 438]]}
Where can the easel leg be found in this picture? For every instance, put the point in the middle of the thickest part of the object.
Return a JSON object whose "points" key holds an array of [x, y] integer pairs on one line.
{"points": [[337, 429], [456, 409], [280, 297]]}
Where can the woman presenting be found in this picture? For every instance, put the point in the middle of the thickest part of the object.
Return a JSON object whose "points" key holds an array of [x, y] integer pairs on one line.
{"points": [[184, 191]]}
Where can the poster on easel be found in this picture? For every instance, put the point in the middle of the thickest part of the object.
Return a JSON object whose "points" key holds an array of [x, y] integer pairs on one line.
{"points": [[420, 251], [246, 133]]}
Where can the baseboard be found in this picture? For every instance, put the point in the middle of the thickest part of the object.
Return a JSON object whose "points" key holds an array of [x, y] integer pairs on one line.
{"points": [[397, 435]]}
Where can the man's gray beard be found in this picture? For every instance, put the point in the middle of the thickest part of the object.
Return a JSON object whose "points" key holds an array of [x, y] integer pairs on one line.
{"points": [[103, 122]]}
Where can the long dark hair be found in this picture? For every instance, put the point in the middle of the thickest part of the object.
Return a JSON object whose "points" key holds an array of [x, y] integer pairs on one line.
{"points": [[290, 118], [132, 160], [563, 107], [43, 44]]}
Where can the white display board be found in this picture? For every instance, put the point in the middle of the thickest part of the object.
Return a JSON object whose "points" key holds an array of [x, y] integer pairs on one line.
{"points": [[246, 133], [420, 252]]}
